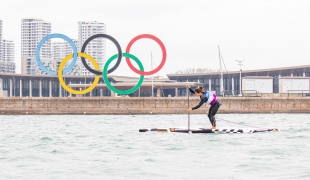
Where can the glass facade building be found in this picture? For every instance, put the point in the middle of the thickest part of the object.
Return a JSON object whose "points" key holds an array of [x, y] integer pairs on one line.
{"points": [[29, 85]]}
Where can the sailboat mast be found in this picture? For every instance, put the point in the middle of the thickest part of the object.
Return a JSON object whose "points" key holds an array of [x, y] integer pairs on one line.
{"points": [[152, 74], [222, 85]]}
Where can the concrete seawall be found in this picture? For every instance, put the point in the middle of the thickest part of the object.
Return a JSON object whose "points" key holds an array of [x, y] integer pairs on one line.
{"points": [[132, 105]]}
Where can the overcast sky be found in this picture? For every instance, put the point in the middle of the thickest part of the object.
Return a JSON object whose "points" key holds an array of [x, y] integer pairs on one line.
{"points": [[264, 33]]}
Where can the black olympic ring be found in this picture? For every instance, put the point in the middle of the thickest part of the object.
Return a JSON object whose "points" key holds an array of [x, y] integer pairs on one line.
{"points": [[119, 58]]}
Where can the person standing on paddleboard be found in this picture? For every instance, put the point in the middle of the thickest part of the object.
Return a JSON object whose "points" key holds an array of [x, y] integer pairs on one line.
{"points": [[206, 97]]}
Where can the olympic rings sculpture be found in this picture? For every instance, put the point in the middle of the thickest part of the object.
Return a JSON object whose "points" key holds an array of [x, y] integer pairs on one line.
{"points": [[96, 71]]}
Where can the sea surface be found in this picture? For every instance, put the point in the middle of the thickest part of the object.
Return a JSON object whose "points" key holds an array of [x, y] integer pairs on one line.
{"points": [[110, 147]]}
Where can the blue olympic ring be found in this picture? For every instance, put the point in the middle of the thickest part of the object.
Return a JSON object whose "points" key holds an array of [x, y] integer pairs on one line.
{"points": [[64, 37]]}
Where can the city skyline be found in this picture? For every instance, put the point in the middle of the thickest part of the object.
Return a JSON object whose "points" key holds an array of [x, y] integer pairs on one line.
{"points": [[53, 50], [266, 34]]}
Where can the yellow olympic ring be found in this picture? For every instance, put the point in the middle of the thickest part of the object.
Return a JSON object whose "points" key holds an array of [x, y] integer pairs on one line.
{"points": [[63, 84]]}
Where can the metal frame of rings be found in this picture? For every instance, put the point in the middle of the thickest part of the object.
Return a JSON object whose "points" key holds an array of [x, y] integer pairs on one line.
{"points": [[96, 71]]}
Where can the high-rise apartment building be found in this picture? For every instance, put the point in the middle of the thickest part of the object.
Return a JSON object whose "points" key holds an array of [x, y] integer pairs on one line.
{"points": [[32, 32], [62, 49], [7, 54], [7, 62], [8, 51], [0, 39], [97, 47]]}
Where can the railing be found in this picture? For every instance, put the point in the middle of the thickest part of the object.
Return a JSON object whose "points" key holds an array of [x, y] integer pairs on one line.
{"points": [[245, 93], [303, 93]]}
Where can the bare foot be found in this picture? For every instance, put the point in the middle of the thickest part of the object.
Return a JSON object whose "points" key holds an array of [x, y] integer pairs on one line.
{"points": [[213, 127]]}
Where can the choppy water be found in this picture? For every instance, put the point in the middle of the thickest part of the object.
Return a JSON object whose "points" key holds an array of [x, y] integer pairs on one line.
{"points": [[110, 147]]}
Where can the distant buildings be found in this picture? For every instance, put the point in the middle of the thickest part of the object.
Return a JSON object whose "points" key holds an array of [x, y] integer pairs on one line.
{"points": [[7, 54], [7, 62], [62, 49], [32, 32], [8, 51], [285, 81], [53, 52], [0, 38], [97, 47]]}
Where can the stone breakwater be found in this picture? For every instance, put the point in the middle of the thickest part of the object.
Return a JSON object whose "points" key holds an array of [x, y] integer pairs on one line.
{"points": [[136, 105]]}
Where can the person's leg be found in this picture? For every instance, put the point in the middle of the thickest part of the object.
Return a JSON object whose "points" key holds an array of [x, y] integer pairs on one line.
{"points": [[212, 111], [211, 118]]}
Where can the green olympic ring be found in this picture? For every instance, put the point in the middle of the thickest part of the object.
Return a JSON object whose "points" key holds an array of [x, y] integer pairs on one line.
{"points": [[105, 74]]}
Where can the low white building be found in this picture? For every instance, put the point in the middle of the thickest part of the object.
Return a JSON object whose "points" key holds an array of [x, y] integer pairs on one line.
{"points": [[294, 84], [259, 84]]}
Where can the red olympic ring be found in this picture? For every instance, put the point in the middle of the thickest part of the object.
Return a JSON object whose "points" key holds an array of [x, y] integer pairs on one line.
{"points": [[163, 49]]}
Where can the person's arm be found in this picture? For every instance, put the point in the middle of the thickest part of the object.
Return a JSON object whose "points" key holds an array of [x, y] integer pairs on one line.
{"points": [[190, 89], [202, 100]]}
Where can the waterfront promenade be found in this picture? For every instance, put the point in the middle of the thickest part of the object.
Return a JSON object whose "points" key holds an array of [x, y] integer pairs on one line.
{"points": [[158, 105]]}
